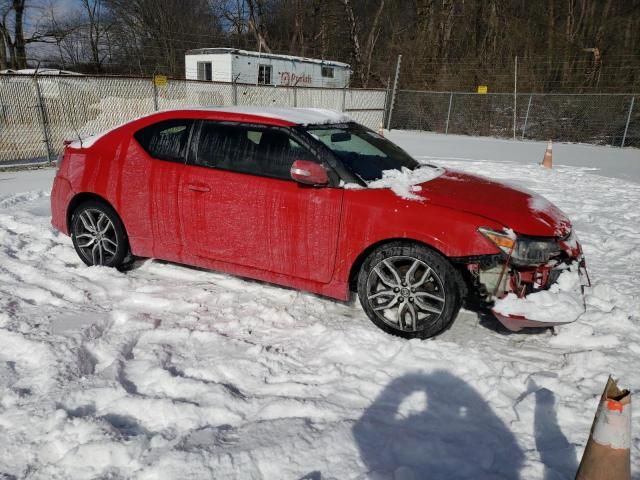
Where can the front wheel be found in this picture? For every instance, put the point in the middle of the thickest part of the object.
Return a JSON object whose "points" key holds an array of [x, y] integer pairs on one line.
{"points": [[98, 235], [409, 290]]}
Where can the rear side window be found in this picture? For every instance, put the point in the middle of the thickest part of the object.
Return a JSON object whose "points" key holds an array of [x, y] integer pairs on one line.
{"points": [[256, 150], [166, 140]]}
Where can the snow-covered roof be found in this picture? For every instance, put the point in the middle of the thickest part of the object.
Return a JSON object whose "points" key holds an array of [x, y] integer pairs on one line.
{"points": [[292, 58], [300, 116]]}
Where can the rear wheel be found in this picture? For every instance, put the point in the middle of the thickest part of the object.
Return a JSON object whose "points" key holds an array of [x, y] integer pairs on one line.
{"points": [[98, 235], [409, 290]]}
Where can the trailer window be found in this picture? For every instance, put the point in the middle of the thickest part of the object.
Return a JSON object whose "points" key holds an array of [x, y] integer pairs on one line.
{"points": [[264, 74], [327, 72], [204, 71]]}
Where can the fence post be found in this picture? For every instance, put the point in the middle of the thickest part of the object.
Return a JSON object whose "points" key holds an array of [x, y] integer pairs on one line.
{"points": [[155, 92], [295, 96], [395, 90], [446, 128], [626, 127], [43, 118], [526, 118], [344, 98], [515, 96], [234, 92]]}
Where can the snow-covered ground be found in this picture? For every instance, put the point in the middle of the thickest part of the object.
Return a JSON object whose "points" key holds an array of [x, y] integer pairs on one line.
{"points": [[173, 372]]}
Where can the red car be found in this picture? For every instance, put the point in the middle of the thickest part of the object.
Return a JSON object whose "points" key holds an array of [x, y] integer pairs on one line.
{"points": [[297, 197]]}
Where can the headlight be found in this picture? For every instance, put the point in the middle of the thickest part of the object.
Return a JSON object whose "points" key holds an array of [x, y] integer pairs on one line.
{"points": [[523, 250]]}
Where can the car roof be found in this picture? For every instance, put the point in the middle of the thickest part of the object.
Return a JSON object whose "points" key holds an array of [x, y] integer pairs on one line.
{"points": [[289, 115], [279, 116]]}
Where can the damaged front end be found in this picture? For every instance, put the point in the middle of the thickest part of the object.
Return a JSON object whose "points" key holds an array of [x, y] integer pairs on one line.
{"points": [[534, 282]]}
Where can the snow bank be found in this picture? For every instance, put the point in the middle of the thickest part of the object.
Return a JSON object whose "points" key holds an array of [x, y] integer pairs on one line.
{"points": [[561, 303], [405, 182]]}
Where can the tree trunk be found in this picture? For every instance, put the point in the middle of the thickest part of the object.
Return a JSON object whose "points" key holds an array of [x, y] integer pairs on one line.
{"points": [[3, 49], [256, 24], [356, 53], [20, 60], [371, 42], [551, 31]]}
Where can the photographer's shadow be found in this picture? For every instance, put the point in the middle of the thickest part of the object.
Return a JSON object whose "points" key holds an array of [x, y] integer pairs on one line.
{"points": [[435, 426]]}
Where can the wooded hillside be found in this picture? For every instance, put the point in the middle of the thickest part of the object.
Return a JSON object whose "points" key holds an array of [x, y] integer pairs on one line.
{"points": [[562, 45]]}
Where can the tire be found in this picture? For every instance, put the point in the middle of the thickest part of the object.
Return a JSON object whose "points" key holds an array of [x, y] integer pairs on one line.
{"points": [[409, 290], [98, 235]]}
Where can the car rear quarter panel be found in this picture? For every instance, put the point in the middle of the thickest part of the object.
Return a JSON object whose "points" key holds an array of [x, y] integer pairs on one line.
{"points": [[61, 195]]}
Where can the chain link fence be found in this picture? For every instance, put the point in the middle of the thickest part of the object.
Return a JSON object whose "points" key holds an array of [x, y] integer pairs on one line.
{"points": [[38, 112], [601, 119]]}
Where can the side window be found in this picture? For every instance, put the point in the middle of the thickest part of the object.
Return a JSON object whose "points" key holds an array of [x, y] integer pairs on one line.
{"points": [[277, 151], [225, 146], [256, 150], [165, 140]]}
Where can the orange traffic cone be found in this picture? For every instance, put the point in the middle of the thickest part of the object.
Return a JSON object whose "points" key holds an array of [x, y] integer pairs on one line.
{"points": [[547, 161], [607, 455]]}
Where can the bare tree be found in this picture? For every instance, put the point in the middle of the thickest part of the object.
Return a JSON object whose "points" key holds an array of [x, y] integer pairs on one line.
{"points": [[257, 24], [19, 44], [5, 37], [153, 35], [447, 44], [95, 30], [362, 60]]}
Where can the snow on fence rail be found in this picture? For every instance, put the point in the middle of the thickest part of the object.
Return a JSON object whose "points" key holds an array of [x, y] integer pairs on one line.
{"points": [[38, 112]]}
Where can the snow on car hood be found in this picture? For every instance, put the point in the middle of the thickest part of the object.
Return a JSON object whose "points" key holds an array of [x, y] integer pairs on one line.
{"points": [[525, 212], [406, 183]]}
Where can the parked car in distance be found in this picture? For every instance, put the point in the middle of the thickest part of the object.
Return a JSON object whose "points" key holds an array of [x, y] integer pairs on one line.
{"points": [[306, 198]]}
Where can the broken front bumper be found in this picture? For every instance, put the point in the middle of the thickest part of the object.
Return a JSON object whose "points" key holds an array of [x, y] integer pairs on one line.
{"points": [[543, 295], [548, 296]]}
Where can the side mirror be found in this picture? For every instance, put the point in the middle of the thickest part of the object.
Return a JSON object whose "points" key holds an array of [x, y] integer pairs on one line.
{"points": [[309, 173]]}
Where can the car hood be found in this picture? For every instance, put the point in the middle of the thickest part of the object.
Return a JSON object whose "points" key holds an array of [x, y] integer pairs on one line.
{"points": [[522, 211]]}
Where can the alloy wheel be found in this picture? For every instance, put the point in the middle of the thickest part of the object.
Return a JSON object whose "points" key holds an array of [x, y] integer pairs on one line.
{"points": [[96, 237], [405, 293]]}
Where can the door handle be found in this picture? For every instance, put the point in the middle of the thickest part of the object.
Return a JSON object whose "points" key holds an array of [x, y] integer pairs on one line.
{"points": [[198, 188]]}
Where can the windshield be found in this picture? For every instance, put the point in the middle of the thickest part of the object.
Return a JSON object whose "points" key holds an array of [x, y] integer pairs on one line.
{"points": [[365, 153]]}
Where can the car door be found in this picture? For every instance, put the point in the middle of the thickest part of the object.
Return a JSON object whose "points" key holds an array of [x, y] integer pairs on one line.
{"points": [[152, 169], [240, 205]]}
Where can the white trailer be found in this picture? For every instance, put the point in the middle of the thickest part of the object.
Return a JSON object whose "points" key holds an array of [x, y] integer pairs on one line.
{"points": [[242, 66]]}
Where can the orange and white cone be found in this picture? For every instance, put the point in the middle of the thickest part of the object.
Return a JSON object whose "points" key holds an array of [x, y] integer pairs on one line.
{"points": [[547, 161], [607, 455]]}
